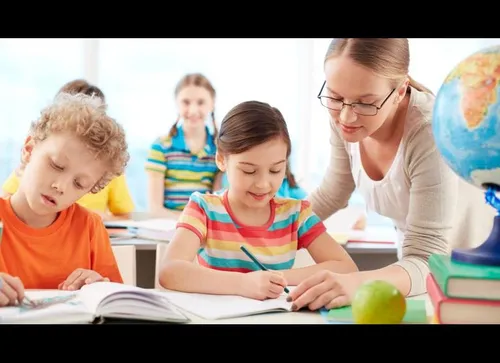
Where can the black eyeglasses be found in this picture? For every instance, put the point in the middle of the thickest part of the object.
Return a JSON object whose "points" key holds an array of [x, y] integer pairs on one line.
{"points": [[362, 109]]}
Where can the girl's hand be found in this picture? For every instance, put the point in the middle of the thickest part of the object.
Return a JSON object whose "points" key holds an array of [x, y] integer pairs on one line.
{"points": [[11, 290], [263, 285], [80, 277]]}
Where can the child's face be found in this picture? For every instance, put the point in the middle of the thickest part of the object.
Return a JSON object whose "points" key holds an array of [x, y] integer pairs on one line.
{"points": [[256, 175], [59, 171], [194, 103]]}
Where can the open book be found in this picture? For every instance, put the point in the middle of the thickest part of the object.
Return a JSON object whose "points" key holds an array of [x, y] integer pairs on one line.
{"points": [[213, 307], [93, 303]]}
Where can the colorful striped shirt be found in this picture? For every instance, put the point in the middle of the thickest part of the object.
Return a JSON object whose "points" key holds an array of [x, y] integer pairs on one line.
{"points": [[292, 225], [184, 171]]}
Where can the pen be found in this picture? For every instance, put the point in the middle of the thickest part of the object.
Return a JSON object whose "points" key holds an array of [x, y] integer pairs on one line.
{"points": [[261, 266]]}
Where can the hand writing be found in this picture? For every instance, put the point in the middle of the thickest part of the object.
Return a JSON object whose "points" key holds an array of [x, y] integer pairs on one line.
{"points": [[263, 285], [11, 290]]}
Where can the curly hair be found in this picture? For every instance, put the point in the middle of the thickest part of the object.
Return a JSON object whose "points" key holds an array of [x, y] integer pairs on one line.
{"points": [[82, 86], [85, 116]]}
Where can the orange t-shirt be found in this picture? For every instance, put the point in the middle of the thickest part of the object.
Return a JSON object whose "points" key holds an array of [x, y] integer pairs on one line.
{"points": [[44, 257]]}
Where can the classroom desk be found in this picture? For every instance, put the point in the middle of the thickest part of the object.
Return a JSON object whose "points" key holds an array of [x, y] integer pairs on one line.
{"points": [[139, 243], [299, 317], [145, 259], [295, 318], [367, 256], [352, 248]]}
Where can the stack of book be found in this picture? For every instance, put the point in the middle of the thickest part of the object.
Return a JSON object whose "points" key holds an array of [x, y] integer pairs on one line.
{"points": [[463, 293]]}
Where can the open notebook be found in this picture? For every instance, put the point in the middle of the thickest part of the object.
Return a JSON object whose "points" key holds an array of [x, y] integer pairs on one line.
{"points": [[93, 303], [213, 307]]}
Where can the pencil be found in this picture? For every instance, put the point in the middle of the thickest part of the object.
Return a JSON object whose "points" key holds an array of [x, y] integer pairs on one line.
{"points": [[261, 266]]}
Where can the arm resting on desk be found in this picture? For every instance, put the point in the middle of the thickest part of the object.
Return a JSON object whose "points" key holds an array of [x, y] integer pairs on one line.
{"points": [[178, 272]]}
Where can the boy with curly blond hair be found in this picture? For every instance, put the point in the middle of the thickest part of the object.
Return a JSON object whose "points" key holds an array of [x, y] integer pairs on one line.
{"points": [[49, 241]]}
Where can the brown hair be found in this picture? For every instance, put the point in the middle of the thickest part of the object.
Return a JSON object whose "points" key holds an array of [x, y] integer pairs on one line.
{"points": [[249, 124], [82, 86], [387, 57], [85, 117], [198, 80], [290, 177]]}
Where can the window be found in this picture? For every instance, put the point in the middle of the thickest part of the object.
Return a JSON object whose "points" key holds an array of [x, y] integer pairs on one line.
{"points": [[139, 76], [33, 70]]}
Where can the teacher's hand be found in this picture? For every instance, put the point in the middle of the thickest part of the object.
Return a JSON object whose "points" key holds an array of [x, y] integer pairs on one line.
{"points": [[325, 289]]}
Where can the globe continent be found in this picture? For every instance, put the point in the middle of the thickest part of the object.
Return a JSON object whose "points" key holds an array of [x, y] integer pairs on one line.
{"points": [[466, 117]]}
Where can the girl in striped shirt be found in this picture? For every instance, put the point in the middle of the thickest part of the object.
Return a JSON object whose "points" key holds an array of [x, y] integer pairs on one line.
{"points": [[183, 161], [253, 146]]}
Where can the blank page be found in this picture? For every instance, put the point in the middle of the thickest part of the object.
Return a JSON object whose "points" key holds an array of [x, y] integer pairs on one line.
{"points": [[211, 307]]}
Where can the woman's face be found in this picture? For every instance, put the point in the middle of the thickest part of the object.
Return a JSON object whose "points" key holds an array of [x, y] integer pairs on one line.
{"points": [[371, 97]]}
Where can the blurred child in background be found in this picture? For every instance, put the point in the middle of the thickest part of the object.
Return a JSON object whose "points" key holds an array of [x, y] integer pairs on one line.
{"points": [[183, 161]]}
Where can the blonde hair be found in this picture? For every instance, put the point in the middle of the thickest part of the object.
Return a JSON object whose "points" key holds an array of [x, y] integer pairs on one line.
{"points": [[85, 117], [387, 57]]}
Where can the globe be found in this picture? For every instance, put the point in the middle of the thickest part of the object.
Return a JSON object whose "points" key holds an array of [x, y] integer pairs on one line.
{"points": [[466, 129]]}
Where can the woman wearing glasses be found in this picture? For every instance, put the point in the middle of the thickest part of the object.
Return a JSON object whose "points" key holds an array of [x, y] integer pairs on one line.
{"points": [[382, 144]]}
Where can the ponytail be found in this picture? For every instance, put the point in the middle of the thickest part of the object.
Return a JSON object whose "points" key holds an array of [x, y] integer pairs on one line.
{"points": [[173, 129], [290, 177], [418, 86], [214, 124]]}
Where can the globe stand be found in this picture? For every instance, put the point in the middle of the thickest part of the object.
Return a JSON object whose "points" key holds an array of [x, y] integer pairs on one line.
{"points": [[487, 253]]}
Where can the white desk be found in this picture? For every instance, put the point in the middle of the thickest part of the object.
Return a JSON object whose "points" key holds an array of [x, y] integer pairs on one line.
{"points": [[139, 243], [299, 317]]}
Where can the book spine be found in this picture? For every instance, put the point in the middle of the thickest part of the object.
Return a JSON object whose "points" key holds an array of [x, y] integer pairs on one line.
{"points": [[435, 294], [440, 273]]}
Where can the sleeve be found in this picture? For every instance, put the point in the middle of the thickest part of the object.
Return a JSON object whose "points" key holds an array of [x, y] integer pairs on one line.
{"points": [[194, 216], [156, 160], [120, 201], [432, 204], [102, 256], [338, 184], [11, 184], [309, 225]]}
